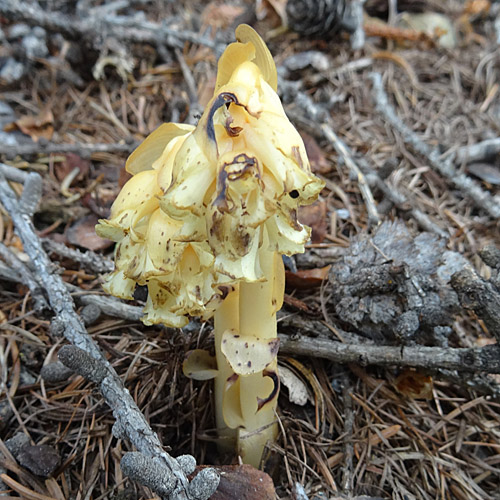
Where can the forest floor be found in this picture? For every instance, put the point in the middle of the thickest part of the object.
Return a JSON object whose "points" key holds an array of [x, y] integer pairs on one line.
{"points": [[382, 431]]}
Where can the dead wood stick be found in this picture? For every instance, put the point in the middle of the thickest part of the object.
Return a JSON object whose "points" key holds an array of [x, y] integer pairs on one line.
{"points": [[475, 359], [107, 304], [464, 183], [485, 359], [313, 113], [358, 33], [194, 108], [375, 181], [81, 149], [13, 174], [26, 277], [89, 260], [344, 152], [400, 200], [117, 397], [110, 305], [478, 152], [92, 28]]}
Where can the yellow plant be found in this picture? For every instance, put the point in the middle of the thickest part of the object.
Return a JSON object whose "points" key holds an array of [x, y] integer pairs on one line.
{"points": [[203, 223]]}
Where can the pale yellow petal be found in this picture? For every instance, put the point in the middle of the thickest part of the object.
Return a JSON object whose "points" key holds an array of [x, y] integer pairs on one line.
{"points": [[234, 55], [248, 354], [200, 365], [153, 146], [263, 57]]}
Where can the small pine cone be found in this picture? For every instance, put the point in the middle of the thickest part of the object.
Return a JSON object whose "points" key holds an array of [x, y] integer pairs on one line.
{"points": [[316, 18]]}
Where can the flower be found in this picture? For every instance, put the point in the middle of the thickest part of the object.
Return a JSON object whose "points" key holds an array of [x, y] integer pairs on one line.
{"points": [[191, 220]]}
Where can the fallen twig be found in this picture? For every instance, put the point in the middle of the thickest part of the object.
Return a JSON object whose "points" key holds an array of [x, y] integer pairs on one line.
{"points": [[469, 187], [400, 200], [486, 359], [110, 305], [478, 152], [375, 181], [315, 113], [475, 359], [89, 260], [26, 277], [357, 15], [194, 107], [83, 150], [344, 152], [125, 410], [92, 28]]}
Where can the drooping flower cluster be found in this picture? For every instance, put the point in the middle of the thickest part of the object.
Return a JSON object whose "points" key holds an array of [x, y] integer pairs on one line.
{"points": [[191, 220]]}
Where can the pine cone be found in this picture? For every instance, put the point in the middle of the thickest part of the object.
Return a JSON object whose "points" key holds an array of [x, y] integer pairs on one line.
{"points": [[316, 18]]}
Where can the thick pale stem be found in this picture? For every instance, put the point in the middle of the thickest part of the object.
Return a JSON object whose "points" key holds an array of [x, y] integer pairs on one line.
{"points": [[226, 318], [250, 312], [258, 306]]}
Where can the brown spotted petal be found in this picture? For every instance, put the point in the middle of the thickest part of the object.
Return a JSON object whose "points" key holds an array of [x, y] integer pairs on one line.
{"points": [[247, 354]]}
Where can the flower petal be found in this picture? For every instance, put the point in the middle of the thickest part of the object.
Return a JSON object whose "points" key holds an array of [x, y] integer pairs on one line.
{"points": [[152, 147]]}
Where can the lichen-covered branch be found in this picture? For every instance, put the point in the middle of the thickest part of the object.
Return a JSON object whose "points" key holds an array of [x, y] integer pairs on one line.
{"points": [[89, 260], [476, 359], [93, 27], [118, 398], [84, 150], [481, 198], [26, 277]]}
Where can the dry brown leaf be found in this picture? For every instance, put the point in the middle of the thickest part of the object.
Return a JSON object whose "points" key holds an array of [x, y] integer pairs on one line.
{"points": [[414, 385], [82, 233], [315, 217], [242, 482], [318, 161], [305, 279], [274, 11], [71, 161], [36, 126], [220, 16]]}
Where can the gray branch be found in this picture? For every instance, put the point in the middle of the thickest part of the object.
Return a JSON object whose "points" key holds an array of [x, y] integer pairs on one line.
{"points": [[89, 260], [478, 152], [315, 113], [93, 28], [81, 149], [116, 395], [357, 349], [481, 198], [346, 154], [373, 179], [476, 359], [25, 276]]}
